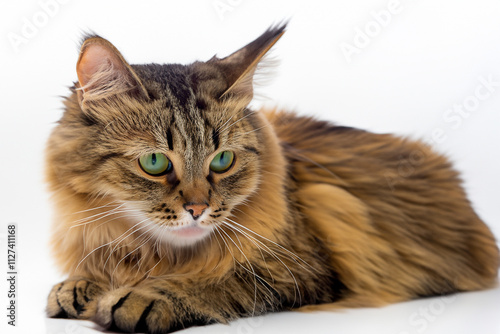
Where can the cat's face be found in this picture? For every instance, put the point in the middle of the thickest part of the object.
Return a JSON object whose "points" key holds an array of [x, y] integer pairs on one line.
{"points": [[173, 147], [182, 168]]}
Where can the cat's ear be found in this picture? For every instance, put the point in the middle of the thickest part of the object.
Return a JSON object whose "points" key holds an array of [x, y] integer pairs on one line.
{"points": [[103, 72], [239, 67]]}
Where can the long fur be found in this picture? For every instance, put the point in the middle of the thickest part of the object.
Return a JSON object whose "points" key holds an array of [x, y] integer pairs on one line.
{"points": [[311, 214]]}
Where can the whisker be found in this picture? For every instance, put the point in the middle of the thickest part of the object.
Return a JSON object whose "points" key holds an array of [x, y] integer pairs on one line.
{"points": [[239, 120], [99, 207], [242, 134], [148, 273], [104, 245], [104, 214], [132, 251], [252, 241], [233, 228], [112, 219], [273, 254], [127, 214], [251, 267], [294, 256], [212, 236], [217, 229], [123, 237]]}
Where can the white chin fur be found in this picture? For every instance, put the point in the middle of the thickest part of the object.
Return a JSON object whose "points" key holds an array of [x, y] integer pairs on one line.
{"points": [[189, 232], [187, 235]]}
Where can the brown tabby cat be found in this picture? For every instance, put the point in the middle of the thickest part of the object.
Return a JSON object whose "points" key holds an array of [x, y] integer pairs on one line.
{"points": [[179, 206]]}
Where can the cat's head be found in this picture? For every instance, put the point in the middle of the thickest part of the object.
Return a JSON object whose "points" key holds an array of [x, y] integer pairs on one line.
{"points": [[173, 145]]}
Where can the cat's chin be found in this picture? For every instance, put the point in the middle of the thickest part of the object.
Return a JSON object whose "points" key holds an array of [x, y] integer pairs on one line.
{"points": [[183, 236]]}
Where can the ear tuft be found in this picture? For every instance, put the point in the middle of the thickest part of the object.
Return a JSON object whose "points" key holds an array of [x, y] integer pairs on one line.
{"points": [[102, 71], [239, 68]]}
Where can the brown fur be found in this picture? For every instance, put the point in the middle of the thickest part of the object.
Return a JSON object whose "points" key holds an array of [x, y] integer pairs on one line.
{"points": [[309, 214]]}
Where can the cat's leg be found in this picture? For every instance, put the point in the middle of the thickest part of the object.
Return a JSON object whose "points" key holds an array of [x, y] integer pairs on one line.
{"points": [[386, 260], [152, 309], [74, 298], [367, 264]]}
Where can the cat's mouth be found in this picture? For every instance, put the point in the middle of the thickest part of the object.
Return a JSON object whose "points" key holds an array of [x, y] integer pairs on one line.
{"points": [[191, 231], [185, 235], [185, 231]]}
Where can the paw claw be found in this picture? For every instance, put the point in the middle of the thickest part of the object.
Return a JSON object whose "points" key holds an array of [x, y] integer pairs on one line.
{"points": [[73, 299], [133, 310]]}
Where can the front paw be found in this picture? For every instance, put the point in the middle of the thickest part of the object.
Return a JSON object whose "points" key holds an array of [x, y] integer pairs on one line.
{"points": [[134, 310], [73, 298]]}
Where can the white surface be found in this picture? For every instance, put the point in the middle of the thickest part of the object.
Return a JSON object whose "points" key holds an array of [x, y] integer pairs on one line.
{"points": [[461, 314], [429, 57]]}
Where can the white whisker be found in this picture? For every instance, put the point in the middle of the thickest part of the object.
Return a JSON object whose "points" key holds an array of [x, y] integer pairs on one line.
{"points": [[233, 228], [273, 254], [123, 237], [239, 120], [294, 256], [251, 267], [133, 251], [99, 207]]}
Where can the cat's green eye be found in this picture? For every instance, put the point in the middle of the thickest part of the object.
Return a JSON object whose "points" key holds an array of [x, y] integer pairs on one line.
{"points": [[222, 162], [155, 164]]}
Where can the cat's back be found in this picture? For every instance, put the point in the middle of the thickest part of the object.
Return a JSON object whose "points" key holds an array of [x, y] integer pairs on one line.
{"points": [[370, 166], [390, 195], [355, 155]]}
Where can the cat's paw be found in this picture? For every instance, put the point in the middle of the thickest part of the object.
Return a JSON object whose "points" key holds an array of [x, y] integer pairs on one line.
{"points": [[73, 298], [134, 310]]}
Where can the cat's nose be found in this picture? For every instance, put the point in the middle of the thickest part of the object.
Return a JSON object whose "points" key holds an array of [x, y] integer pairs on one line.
{"points": [[195, 209]]}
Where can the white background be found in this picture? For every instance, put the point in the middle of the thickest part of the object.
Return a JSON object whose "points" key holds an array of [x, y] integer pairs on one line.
{"points": [[428, 58]]}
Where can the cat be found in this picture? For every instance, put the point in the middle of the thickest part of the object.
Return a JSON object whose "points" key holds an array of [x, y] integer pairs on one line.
{"points": [[177, 205]]}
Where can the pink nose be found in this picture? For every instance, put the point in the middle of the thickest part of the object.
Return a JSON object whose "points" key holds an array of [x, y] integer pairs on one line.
{"points": [[195, 209]]}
